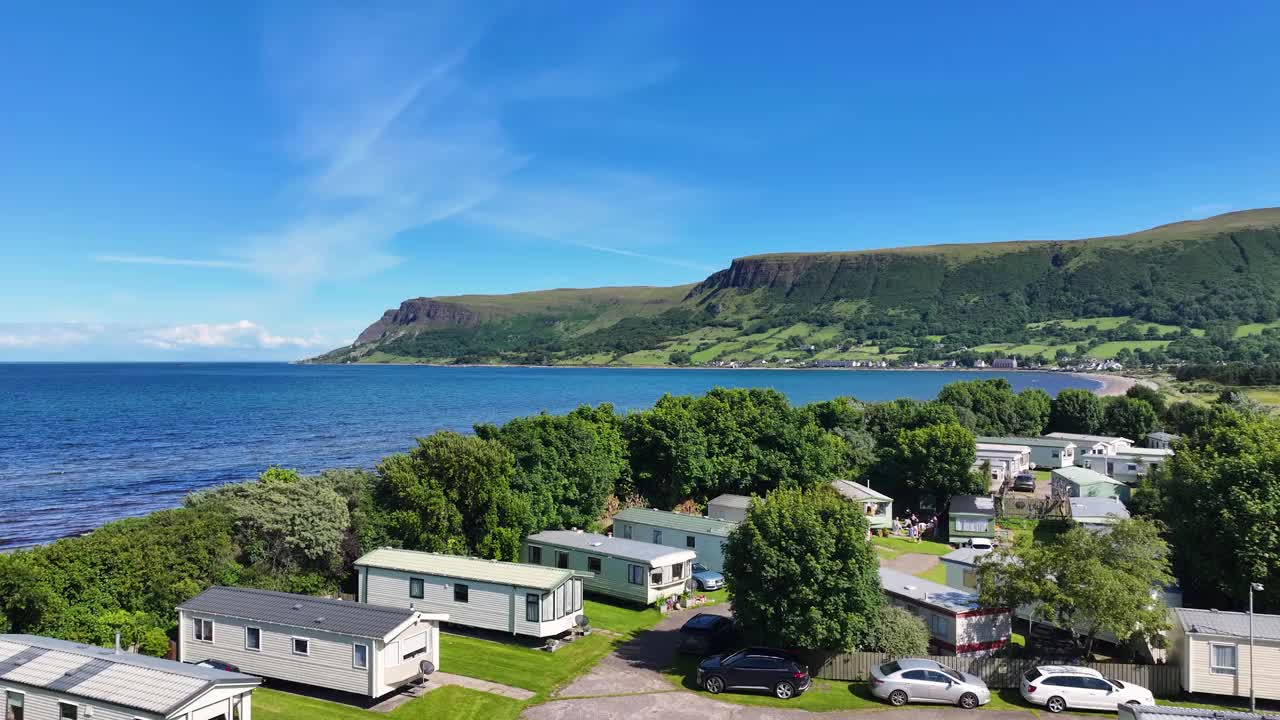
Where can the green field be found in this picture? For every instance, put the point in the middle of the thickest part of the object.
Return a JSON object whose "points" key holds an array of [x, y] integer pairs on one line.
{"points": [[1255, 328], [1109, 349]]}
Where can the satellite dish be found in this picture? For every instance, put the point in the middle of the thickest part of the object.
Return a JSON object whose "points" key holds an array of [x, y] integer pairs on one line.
{"points": [[581, 620], [426, 667]]}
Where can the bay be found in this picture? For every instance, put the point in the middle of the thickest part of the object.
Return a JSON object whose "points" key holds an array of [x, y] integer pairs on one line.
{"points": [[83, 444]]}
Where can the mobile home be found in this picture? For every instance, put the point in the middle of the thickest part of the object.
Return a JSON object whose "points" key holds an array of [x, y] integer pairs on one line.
{"points": [[878, 507], [1097, 513], [631, 570], [971, 516], [1046, 452], [516, 598], [352, 647], [46, 679], [704, 536], [1078, 482], [1212, 648], [1093, 444], [1006, 461], [1128, 465], [962, 568], [957, 624], [728, 507]]}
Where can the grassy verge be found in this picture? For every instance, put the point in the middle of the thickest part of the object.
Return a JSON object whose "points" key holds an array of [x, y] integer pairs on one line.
{"points": [[892, 547], [520, 666], [937, 573], [455, 703]]}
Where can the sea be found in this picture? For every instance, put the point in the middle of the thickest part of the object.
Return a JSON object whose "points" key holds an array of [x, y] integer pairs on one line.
{"points": [[84, 444]]}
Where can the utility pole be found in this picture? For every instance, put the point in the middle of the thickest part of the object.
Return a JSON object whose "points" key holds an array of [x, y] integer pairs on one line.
{"points": [[1253, 701]]}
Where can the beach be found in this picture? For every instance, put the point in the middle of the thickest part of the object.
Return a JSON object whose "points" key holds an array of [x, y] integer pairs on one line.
{"points": [[1112, 385]]}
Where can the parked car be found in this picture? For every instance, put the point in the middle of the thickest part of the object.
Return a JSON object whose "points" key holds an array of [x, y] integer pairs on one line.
{"points": [[1058, 687], [775, 671], [218, 665], [706, 633], [918, 680], [705, 579], [979, 543], [1026, 482]]}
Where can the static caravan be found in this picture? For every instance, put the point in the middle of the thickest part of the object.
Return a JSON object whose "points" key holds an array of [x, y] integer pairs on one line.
{"points": [[1078, 482], [962, 568], [1128, 465], [46, 679], [352, 647], [1096, 513], [1161, 440], [631, 570], [1005, 461], [1093, 444], [704, 536], [957, 624], [878, 507], [509, 597], [1212, 649], [971, 516], [728, 507], [1046, 452]]}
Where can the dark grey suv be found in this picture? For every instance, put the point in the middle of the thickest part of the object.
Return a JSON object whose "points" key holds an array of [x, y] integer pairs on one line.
{"points": [[774, 671]]}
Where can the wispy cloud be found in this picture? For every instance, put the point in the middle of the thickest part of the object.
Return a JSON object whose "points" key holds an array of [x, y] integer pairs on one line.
{"points": [[41, 335], [183, 262], [242, 335]]}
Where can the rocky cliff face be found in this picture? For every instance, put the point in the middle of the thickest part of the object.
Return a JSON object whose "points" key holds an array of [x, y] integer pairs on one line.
{"points": [[419, 313]]}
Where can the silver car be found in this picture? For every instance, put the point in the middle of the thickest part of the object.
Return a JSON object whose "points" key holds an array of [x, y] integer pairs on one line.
{"points": [[917, 680]]}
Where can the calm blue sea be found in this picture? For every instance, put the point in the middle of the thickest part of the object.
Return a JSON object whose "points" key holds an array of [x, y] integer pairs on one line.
{"points": [[82, 444]]}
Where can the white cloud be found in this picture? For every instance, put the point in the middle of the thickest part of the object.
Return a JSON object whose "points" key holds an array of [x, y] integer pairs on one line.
{"points": [[39, 335], [158, 260], [240, 335]]}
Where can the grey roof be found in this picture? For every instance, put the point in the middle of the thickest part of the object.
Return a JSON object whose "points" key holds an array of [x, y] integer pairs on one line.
{"points": [[965, 556], [1028, 441], [1097, 508], [538, 577], [677, 521], [125, 679], [973, 505], [1168, 712], [300, 611], [613, 546], [1087, 438], [730, 500], [1001, 448], [1083, 476], [926, 592], [858, 491], [1161, 435], [1230, 624]]}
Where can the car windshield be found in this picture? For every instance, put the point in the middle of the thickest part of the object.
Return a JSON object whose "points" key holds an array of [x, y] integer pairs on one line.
{"points": [[1119, 685], [958, 677], [729, 659], [699, 567], [889, 668]]}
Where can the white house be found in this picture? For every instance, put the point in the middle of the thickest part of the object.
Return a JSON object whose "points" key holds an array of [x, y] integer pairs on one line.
{"points": [[1161, 440], [877, 507], [1046, 452], [1128, 465], [352, 647], [703, 535], [1006, 461], [46, 679], [957, 625], [516, 598], [631, 570], [1212, 648], [728, 507], [1093, 444]]}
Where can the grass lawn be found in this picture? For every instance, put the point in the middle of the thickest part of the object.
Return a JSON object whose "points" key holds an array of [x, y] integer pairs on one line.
{"points": [[619, 619], [455, 703], [937, 573], [1109, 349], [520, 666], [895, 546]]}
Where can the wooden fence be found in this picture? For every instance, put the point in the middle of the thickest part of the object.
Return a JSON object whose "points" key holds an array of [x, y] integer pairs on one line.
{"points": [[1161, 680]]}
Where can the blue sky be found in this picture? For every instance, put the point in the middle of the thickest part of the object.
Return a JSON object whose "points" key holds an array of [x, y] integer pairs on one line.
{"points": [[234, 181]]}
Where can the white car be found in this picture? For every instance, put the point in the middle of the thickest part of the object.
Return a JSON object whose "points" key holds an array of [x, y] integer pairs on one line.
{"points": [[979, 543], [1058, 687]]}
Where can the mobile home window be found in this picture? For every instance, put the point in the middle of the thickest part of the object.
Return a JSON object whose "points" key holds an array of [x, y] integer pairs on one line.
{"points": [[13, 705], [967, 525], [417, 588], [691, 542], [655, 577], [1133, 466], [360, 656], [203, 629], [626, 531], [677, 571], [535, 554], [1222, 659], [461, 593], [301, 646], [635, 574], [252, 638], [593, 564], [67, 711], [532, 608], [657, 537], [562, 560]]}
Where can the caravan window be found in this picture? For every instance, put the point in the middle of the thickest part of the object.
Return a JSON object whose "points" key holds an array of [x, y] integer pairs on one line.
{"points": [[532, 608], [657, 537], [301, 646], [1222, 659], [967, 525], [417, 587], [691, 541], [535, 555], [562, 560], [360, 656], [635, 574], [252, 638], [593, 564], [67, 711], [626, 531], [13, 705], [677, 571], [461, 593], [203, 629]]}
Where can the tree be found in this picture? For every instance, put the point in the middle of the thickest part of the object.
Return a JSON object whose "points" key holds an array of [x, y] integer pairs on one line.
{"points": [[1076, 411], [1129, 417], [1152, 396], [819, 538], [993, 408], [1086, 581], [566, 465], [934, 461], [898, 633], [884, 420]]}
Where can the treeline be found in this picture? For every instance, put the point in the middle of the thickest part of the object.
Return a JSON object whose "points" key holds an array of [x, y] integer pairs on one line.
{"points": [[482, 493], [1232, 373]]}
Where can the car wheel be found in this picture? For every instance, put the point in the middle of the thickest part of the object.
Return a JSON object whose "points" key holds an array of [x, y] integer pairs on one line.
{"points": [[714, 685], [898, 698], [1056, 704], [968, 701], [784, 690]]}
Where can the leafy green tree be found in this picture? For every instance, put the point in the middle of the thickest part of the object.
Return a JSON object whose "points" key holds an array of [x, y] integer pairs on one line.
{"points": [[815, 535], [898, 633], [884, 420], [1185, 417], [680, 357], [1076, 411], [934, 461], [1150, 395], [1129, 417], [26, 594], [992, 408], [668, 451], [566, 465], [1089, 582]]}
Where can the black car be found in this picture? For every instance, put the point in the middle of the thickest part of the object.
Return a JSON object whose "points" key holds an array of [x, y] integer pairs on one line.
{"points": [[1025, 482], [705, 633], [218, 665], [775, 671]]}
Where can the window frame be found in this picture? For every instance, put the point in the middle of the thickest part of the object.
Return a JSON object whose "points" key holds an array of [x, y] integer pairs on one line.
{"points": [[354, 656], [533, 601], [9, 695], [197, 624], [463, 589], [293, 645], [635, 574], [626, 531], [62, 715], [677, 572], [599, 564], [1214, 668], [562, 559], [422, 588], [248, 647], [657, 536], [535, 550], [691, 542]]}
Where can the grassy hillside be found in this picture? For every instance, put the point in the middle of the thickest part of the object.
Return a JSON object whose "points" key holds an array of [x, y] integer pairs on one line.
{"points": [[1153, 291]]}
